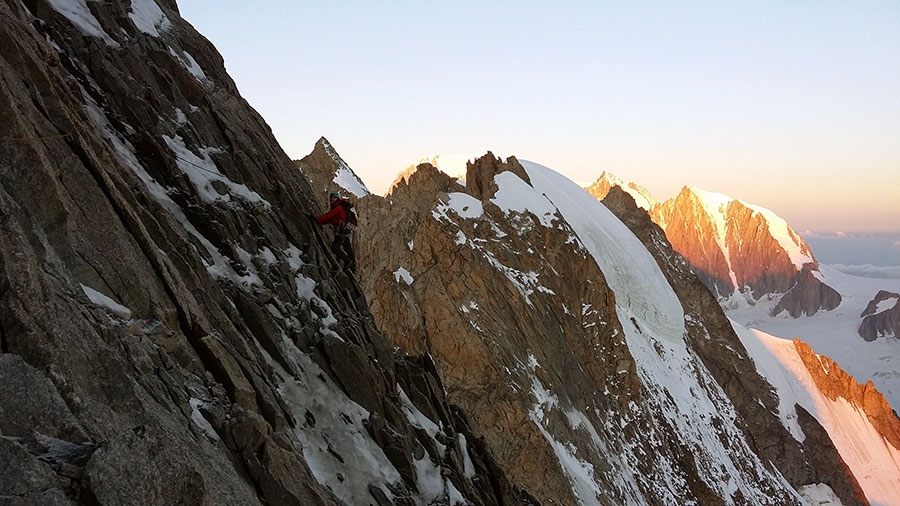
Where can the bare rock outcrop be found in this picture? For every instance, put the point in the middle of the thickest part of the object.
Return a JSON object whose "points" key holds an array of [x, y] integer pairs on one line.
{"points": [[808, 295], [882, 323], [480, 174], [411, 201]]}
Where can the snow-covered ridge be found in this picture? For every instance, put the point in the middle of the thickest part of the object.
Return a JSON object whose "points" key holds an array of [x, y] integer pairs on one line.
{"points": [[513, 194], [631, 271], [653, 320]]}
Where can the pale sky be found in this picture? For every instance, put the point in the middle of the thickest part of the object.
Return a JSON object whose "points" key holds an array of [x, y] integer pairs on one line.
{"points": [[793, 105]]}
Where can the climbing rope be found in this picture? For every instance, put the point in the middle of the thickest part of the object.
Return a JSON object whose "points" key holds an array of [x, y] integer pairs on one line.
{"points": [[198, 166]]}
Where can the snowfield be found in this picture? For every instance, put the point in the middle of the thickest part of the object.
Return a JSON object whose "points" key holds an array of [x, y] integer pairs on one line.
{"points": [[834, 333]]}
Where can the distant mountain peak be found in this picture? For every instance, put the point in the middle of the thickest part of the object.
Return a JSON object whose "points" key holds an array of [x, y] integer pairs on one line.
{"points": [[719, 205], [738, 247], [714, 201], [642, 196], [732, 245]]}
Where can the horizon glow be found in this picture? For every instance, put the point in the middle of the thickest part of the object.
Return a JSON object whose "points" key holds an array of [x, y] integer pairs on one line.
{"points": [[790, 106]]}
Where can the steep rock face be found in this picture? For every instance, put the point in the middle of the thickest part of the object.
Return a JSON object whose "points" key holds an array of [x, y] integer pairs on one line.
{"points": [[697, 240], [398, 314], [171, 327], [878, 322], [552, 365], [808, 295], [757, 255], [409, 237]]}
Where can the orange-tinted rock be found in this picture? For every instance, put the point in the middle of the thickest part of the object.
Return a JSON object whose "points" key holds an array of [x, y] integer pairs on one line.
{"points": [[834, 382]]}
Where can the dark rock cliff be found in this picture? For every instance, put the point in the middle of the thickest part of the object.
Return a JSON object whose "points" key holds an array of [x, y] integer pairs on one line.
{"points": [[808, 295], [883, 323], [172, 328]]}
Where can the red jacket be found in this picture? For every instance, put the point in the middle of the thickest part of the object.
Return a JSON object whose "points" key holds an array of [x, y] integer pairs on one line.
{"points": [[337, 215]]}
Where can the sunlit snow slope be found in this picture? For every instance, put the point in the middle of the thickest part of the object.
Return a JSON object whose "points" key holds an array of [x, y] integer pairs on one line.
{"points": [[873, 460]]}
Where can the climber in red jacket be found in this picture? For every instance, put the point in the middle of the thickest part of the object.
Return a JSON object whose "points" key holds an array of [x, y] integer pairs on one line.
{"points": [[343, 219]]}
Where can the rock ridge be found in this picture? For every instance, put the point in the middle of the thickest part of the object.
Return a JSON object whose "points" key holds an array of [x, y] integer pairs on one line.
{"points": [[808, 295], [834, 383]]}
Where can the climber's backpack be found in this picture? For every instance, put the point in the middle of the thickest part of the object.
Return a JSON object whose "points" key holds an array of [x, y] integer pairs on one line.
{"points": [[351, 214]]}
